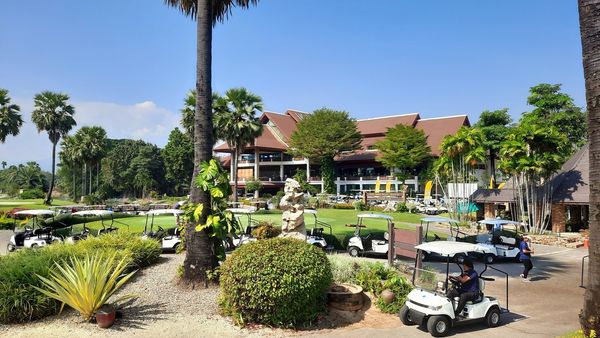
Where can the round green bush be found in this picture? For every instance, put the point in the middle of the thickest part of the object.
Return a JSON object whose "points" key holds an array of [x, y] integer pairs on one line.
{"points": [[278, 281]]}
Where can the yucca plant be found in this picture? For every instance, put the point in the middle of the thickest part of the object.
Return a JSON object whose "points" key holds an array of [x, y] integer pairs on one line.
{"points": [[85, 284]]}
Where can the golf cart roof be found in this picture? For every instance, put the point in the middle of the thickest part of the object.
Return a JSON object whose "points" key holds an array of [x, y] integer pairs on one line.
{"points": [[498, 221], [310, 211], [93, 213], [438, 219], [382, 216], [165, 211], [447, 248], [35, 212], [241, 210]]}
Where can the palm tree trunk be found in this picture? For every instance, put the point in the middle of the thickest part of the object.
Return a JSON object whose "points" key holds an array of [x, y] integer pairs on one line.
{"points": [[234, 163], [200, 250], [97, 173], [49, 196], [90, 181], [589, 22], [83, 174]]}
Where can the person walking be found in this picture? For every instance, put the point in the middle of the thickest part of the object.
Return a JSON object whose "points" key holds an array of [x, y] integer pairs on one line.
{"points": [[525, 257]]}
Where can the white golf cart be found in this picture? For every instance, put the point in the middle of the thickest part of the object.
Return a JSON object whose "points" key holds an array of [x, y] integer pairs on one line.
{"points": [[428, 306], [455, 235], [364, 245], [103, 214], [501, 242], [34, 236], [315, 235], [169, 238], [241, 235]]}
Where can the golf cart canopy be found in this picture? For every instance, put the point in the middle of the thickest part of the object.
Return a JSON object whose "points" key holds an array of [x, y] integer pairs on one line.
{"points": [[382, 216], [447, 248], [93, 213], [165, 211], [498, 222], [35, 212], [439, 220], [310, 211], [241, 210]]}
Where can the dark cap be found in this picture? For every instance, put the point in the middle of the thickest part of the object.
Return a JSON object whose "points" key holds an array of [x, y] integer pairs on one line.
{"points": [[468, 262]]}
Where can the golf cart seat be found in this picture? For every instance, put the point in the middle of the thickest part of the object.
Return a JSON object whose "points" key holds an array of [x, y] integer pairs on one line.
{"points": [[42, 231], [317, 232], [386, 236], [480, 297], [508, 240]]}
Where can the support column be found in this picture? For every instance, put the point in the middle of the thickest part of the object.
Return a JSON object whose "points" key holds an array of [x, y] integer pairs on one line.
{"points": [[231, 169], [337, 186], [308, 170], [559, 218], [281, 172], [256, 165]]}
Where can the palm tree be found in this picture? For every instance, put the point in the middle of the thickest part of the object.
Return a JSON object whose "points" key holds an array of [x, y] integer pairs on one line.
{"points": [[589, 16], [92, 147], [188, 112], [200, 254], [69, 156], [4, 164], [10, 117], [54, 115], [236, 123]]}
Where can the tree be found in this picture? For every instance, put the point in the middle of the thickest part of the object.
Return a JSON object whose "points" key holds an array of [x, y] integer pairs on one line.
{"points": [[4, 164], [10, 117], [236, 123], [91, 144], [178, 157], [254, 186], [495, 127], [552, 107], [323, 135], [589, 17], [53, 114], [200, 254], [188, 112], [404, 149], [70, 163]]}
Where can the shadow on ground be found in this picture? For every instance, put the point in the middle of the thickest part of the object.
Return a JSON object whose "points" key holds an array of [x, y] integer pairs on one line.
{"points": [[507, 318], [138, 316]]}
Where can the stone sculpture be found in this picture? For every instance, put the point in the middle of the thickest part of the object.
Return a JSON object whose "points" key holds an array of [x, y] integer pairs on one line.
{"points": [[292, 205]]}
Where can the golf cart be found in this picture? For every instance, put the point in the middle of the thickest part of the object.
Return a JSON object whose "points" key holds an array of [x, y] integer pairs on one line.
{"points": [[501, 242], [364, 245], [98, 213], [34, 236], [428, 306], [169, 238], [455, 236], [315, 235], [241, 235]]}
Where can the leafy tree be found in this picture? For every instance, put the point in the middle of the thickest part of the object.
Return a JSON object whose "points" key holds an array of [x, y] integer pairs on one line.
{"points": [[91, 144], [300, 177], [404, 149], [495, 128], [254, 186], [53, 114], [323, 135], [24, 176], [178, 157], [552, 107], [589, 16], [236, 123], [10, 117]]}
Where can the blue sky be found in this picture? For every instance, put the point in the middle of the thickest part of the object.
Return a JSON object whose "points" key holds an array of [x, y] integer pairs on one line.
{"points": [[127, 63]]}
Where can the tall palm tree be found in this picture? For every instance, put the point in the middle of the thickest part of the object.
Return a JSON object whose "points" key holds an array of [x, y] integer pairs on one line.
{"points": [[69, 156], [200, 254], [53, 114], [188, 113], [589, 17], [4, 164], [236, 123], [92, 147], [10, 117]]}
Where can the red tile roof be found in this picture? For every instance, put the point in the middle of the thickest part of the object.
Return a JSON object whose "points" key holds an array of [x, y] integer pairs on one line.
{"points": [[379, 125], [439, 127], [284, 123]]}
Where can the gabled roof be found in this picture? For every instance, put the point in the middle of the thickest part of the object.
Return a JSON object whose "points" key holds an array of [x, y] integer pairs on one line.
{"points": [[379, 125], [439, 127], [571, 184], [284, 123], [268, 141]]}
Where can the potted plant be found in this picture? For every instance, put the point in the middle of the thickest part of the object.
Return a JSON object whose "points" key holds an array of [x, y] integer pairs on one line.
{"points": [[105, 316]]}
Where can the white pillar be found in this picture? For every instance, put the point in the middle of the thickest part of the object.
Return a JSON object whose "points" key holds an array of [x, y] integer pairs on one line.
{"points": [[231, 168], [322, 187], [337, 186], [281, 172], [256, 157], [307, 170]]}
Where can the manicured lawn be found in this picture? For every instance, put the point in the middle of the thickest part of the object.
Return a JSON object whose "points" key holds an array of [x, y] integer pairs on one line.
{"points": [[8, 204]]}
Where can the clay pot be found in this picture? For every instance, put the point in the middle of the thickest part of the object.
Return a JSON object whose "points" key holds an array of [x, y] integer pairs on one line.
{"points": [[346, 297], [105, 317], [388, 296]]}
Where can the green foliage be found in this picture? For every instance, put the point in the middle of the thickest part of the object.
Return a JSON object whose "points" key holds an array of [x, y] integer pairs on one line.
{"points": [[277, 198], [266, 230], [401, 287], [32, 194], [6, 222], [10, 117], [253, 185], [401, 207], [178, 157], [300, 177], [460, 154], [328, 175], [360, 205], [24, 176], [20, 302], [344, 206], [404, 148], [278, 281], [85, 284], [94, 198]]}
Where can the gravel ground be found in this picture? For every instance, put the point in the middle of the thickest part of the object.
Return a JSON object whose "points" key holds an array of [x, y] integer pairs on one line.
{"points": [[162, 310]]}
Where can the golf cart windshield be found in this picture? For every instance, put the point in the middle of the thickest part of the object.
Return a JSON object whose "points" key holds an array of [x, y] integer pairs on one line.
{"points": [[161, 212], [454, 230], [498, 228], [31, 217], [378, 217]]}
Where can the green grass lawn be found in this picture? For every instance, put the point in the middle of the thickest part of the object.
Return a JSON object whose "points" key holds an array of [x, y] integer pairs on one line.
{"points": [[8, 204]]}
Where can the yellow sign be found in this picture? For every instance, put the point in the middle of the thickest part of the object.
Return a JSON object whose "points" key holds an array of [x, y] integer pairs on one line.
{"points": [[377, 186], [491, 183], [388, 186], [501, 185], [428, 187]]}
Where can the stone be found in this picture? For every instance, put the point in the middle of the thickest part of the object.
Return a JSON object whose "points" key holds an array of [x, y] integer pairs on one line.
{"points": [[292, 205]]}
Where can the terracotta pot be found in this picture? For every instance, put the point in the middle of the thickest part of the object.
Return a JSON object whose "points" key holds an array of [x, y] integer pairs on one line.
{"points": [[346, 297], [388, 296], [105, 317]]}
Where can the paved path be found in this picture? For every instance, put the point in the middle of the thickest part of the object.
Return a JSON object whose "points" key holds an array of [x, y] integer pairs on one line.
{"points": [[546, 307], [4, 238]]}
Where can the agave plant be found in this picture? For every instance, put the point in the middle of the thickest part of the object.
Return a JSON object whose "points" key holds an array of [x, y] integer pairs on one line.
{"points": [[85, 284]]}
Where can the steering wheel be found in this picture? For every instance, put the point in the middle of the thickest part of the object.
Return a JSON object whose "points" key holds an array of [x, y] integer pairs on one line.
{"points": [[28, 228], [367, 236], [160, 229]]}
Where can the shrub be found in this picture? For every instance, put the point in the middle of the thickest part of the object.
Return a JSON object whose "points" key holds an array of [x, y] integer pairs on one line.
{"points": [[401, 207], [32, 194], [93, 198], [277, 198], [359, 205], [343, 206], [6, 222], [400, 287], [278, 281], [86, 284], [266, 230]]}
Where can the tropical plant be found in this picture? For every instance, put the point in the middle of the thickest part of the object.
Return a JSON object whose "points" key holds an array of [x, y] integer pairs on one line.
{"points": [[236, 123], [53, 114], [403, 150], [253, 185], [266, 230], [199, 253], [86, 284], [495, 128], [300, 177], [178, 157], [589, 16], [10, 117], [91, 147], [188, 112], [323, 135]]}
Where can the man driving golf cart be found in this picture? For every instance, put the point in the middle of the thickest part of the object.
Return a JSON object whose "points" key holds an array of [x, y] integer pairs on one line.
{"points": [[466, 286]]}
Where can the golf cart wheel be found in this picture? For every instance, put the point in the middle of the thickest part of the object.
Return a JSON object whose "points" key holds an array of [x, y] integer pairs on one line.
{"points": [[176, 247], [11, 248], [353, 251], [34, 245], [405, 316], [425, 256], [492, 318], [438, 326], [489, 258], [459, 258]]}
